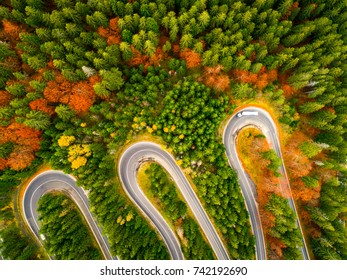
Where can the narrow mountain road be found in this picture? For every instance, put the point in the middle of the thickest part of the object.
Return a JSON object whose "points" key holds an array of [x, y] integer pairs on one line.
{"points": [[256, 117], [128, 166], [58, 181]]}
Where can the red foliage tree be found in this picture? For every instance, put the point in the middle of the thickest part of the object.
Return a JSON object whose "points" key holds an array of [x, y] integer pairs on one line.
{"points": [[13, 63], [253, 56], [244, 76], [312, 229], [287, 89], [94, 79], [272, 75]]}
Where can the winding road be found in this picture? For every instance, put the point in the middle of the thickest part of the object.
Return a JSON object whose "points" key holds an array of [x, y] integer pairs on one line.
{"points": [[129, 164], [141, 152], [58, 181], [263, 121]]}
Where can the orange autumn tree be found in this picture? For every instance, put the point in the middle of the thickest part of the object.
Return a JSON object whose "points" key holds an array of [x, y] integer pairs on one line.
{"points": [[41, 104], [58, 90], [276, 246], [138, 58], [175, 48], [157, 57], [20, 158], [79, 96], [10, 33], [288, 90], [82, 97], [312, 228], [3, 164], [21, 135], [301, 191], [5, 97], [259, 80], [298, 165], [192, 58], [26, 142], [12, 29], [111, 33], [214, 79], [266, 180]]}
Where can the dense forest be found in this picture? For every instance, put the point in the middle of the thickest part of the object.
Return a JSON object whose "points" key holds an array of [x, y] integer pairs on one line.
{"points": [[66, 233], [163, 192], [79, 79]]}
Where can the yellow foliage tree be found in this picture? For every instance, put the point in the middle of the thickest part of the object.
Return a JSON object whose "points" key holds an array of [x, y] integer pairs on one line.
{"points": [[119, 219], [78, 162], [129, 217], [78, 154], [65, 140]]}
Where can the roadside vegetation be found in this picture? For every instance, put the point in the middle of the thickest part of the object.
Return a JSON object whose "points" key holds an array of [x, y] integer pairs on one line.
{"points": [[15, 246], [66, 233], [15, 241], [282, 235], [78, 79], [163, 192]]}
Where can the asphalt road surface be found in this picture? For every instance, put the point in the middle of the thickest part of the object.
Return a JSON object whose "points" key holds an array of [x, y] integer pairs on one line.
{"points": [[265, 123], [58, 181], [128, 166]]}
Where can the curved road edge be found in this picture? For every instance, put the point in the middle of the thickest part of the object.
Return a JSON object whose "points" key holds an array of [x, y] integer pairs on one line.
{"points": [[265, 123], [128, 166], [49, 181]]}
